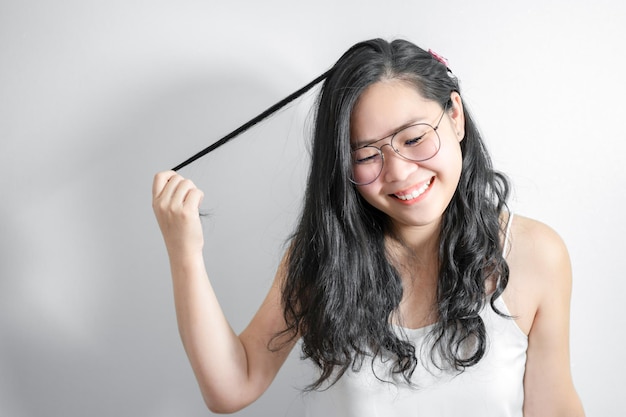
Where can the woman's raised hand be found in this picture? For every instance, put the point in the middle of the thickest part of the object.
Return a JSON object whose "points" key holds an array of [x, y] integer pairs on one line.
{"points": [[176, 202], [232, 370]]}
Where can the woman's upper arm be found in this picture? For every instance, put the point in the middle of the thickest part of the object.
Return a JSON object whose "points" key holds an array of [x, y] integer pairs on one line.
{"points": [[257, 363], [548, 385], [265, 352]]}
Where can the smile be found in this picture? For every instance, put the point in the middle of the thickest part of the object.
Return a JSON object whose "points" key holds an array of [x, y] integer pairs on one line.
{"points": [[415, 193]]}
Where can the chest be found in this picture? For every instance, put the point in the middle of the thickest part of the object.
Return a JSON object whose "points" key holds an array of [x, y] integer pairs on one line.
{"points": [[418, 307], [492, 388]]}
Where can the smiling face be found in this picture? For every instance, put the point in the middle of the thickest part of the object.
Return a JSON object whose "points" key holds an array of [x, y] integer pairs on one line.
{"points": [[412, 194]]}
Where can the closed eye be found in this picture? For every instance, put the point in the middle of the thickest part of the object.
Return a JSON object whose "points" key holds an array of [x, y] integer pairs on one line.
{"points": [[370, 159], [415, 141]]}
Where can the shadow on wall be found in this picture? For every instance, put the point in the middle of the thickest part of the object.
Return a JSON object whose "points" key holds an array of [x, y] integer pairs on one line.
{"points": [[90, 325]]}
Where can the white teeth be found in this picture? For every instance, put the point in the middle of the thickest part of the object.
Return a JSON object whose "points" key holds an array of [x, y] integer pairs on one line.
{"points": [[415, 193]]}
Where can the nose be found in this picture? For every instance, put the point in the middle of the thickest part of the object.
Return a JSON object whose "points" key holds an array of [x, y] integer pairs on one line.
{"points": [[395, 167]]}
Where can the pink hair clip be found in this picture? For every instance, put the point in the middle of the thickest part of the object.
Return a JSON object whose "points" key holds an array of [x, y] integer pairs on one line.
{"points": [[439, 58]]}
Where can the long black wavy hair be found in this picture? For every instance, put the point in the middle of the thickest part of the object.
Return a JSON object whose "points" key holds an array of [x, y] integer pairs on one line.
{"points": [[341, 287]]}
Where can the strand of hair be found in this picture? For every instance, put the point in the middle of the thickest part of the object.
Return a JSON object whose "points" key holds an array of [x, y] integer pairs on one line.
{"points": [[254, 121]]}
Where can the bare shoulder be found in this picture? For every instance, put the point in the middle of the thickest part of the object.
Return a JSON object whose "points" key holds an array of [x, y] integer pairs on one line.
{"points": [[539, 290], [536, 243], [539, 267], [536, 246]]}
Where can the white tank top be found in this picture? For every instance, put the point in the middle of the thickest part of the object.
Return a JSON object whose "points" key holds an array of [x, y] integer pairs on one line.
{"points": [[492, 388]]}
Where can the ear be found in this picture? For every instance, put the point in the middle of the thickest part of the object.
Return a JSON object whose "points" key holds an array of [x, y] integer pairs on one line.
{"points": [[457, 116]]}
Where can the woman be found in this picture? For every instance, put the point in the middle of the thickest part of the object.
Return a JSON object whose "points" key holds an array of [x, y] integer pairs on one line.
{"points": [[413, 289]]}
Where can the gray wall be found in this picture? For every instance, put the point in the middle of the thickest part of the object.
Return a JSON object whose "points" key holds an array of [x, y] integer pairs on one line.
{"points": [[97, 96]]}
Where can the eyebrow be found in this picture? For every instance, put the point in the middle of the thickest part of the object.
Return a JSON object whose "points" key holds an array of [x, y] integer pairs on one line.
{"points": [[360, 143]]}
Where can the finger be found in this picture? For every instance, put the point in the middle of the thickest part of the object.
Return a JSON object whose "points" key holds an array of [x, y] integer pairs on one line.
{"points": [[182, 189], [161, 179], [194, 198], [170, 188]]}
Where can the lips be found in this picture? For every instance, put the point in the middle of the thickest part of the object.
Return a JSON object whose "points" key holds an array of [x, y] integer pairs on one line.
{"points": [[413, 193]]}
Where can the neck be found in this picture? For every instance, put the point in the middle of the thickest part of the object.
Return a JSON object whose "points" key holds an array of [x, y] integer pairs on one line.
{"points": [[415, 252], [422, 241]]}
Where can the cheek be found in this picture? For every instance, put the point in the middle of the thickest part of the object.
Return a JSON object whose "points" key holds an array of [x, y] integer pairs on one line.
{"points": [[457, 160], [369, 192], [364, 190], [456, 170], [453, 159]]}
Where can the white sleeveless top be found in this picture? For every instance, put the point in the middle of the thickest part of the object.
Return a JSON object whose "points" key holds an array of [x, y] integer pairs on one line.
{"points": [[492, 388]]}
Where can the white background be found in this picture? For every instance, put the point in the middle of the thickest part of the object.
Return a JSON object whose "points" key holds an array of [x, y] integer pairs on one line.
{"points": [[97, 96]]}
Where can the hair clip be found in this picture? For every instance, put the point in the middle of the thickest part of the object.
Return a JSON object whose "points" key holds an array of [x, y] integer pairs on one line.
{"points": [[439, 58]]}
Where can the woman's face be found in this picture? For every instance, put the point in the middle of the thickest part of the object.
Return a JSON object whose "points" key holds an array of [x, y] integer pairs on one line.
{"points": [[412, 194]]}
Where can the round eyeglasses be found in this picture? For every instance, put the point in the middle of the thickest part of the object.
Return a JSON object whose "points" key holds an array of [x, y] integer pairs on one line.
{"points": [[417, 143]]}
